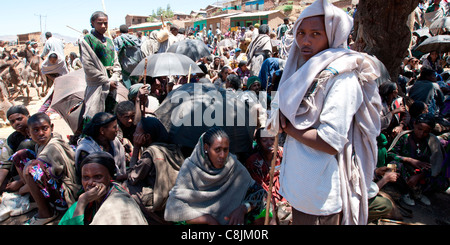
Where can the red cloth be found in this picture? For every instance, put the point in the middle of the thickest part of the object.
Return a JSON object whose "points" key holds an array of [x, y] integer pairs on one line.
{"points": [[259, 170]]}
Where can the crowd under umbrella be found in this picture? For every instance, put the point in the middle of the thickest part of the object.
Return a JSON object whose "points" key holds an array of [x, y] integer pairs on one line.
{"points": [[187, 110], [192, 48], [68, 97], [438, 43], [166, 64]]}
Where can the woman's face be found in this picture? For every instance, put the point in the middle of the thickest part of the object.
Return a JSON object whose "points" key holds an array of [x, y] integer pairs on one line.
{"points": [[110, 130], [127, 119], [422, 130], [394, 93], [218, 151], [93, 174], [53, 60], [311, 37], [101, 25], [266, 144], [141, 137]]}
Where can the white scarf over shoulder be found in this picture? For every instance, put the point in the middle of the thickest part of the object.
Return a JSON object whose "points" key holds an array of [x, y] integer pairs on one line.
{"points": [[358, 158]]}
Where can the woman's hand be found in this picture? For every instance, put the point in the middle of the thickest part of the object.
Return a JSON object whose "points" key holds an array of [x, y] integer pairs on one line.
{"points": [[400, 109], [91, 195], [416, 163], [139, 140], [237, 216]]}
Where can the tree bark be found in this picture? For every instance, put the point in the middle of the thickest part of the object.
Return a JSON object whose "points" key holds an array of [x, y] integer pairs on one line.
{"points": [[381, 28]]}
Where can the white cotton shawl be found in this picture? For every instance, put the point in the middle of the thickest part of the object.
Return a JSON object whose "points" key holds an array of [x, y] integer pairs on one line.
{"points": [[358, 158], [59, 68], [201, 189]]}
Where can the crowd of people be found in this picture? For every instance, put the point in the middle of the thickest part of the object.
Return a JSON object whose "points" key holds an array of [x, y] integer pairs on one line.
{"points": [[336, 131]]}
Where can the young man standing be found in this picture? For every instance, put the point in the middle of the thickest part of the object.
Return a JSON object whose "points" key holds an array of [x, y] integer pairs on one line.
{"points": [[329, 106]]}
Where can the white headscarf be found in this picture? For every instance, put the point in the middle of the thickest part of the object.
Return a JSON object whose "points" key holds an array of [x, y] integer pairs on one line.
{"points": [[297, 78], [59, 68]]}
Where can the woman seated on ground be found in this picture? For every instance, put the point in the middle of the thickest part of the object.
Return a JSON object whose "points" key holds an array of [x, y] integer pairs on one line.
{"points": [[258, 165], [50, 175], [104, 202], [100, 135], [394, 116], [154, 174], [213, 187], [419, 157]]}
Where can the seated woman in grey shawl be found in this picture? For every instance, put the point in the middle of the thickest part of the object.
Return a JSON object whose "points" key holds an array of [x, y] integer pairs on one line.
{"points": [[153, 174], [100, 135], [104, 201], [213, 187]]}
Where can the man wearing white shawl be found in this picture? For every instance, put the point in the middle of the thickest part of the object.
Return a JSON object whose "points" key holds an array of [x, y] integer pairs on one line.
{"points": [[330, 109]]}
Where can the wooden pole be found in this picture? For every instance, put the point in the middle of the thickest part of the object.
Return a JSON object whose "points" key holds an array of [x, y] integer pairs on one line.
{"points": [[272, 170], [189, 75], [104, 10], [142, 105]]}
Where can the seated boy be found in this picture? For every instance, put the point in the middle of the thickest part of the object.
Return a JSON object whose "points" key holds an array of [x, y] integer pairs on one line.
{"points": [[50, 178], [19, 139]]}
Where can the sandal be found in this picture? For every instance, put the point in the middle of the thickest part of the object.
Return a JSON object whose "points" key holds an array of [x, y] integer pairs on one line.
{"points": [[41, 221]]}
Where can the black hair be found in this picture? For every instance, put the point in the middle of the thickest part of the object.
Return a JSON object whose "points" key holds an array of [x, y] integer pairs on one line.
{"points": [[242, 63], [123, 29], [235, 81], [416, 108], [214, 133], [426, 73], [124, 107], [154, 127], [48, 35], [427, 119], [102, 158], [21, 109], [264, 29], [386, 89], [53, 55], [38, 117], [99, 120]]}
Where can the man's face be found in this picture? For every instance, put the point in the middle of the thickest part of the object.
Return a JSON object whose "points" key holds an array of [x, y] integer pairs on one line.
{"points": [[311, 37], [41, 131], [19, 122]]}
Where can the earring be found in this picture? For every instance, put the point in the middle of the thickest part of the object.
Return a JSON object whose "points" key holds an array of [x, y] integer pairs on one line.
{"points": [[206, 152]]}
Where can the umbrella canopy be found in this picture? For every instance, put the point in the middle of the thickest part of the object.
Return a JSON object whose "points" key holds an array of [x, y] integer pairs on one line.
{"points": [[440, 23], [193, 108], [424, 32], [439, 43], [166, 64], [193, 48], [68, 96], [227, 42]]}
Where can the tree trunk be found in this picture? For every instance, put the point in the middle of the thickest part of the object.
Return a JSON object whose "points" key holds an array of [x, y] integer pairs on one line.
{"points": [[381, 28]]}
